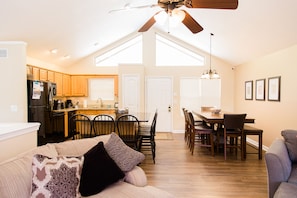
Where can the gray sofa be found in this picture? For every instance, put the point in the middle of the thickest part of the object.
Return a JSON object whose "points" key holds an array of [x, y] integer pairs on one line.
{"points": [[281, 163]]}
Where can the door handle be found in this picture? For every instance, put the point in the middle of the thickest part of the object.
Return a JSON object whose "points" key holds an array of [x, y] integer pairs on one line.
{"points": [[169, 108]]}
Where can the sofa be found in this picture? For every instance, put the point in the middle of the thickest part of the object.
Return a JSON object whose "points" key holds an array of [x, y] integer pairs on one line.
{"points": [[101, 166], [281, 164]]}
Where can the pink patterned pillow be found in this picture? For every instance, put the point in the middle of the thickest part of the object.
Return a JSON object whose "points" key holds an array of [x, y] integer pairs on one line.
{"points": [[56, 177]]}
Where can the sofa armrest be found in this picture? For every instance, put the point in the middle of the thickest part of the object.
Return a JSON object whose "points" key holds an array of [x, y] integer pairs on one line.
{"points": [[136, 177], [278, 165]]}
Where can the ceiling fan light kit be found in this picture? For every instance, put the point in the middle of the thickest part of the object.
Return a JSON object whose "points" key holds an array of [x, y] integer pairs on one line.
{"points": [[171, 7], [211, 73]]}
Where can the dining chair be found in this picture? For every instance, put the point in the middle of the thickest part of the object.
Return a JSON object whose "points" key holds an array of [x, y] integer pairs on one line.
{"points": [[147, 136], [128, 130], [103, 124], [79, 126], [233, 131], [201, 134], [187, 126]]}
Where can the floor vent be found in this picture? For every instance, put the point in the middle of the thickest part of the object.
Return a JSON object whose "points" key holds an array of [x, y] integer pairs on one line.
{"points": [[3, 53]]}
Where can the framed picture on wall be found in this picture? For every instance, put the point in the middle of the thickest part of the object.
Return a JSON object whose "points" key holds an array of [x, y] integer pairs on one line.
{"points": [[274, 88], [260, 89], [249, 90]]}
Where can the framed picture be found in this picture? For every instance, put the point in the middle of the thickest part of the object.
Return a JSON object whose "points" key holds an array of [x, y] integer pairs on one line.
{"points": [[260, 89], [274, 88], [249, 90]]}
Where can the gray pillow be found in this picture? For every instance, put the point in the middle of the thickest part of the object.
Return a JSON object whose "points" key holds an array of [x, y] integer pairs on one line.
{"points": [[124, 156], [290, 137]]}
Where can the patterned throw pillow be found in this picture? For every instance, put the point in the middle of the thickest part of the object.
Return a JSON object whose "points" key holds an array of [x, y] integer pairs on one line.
{"points": [[125, 157], [56, 177]]}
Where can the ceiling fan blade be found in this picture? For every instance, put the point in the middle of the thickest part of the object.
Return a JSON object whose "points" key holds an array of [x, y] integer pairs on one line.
{"points": [[148, 24], [191, 24], [129, 7], [214, 4]]}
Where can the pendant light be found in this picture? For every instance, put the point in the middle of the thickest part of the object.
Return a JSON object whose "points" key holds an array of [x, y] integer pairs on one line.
{"points": [[211, 73]]}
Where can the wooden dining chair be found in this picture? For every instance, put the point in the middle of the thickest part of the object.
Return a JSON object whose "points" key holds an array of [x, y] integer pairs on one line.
{"points": [[80, 126], [201, 134], [103, 124], [128, 130], [147, 136], [187, 126], [233, 132]]}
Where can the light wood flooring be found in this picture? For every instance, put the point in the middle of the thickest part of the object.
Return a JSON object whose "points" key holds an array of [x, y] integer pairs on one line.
{"points": [[202, 175]]}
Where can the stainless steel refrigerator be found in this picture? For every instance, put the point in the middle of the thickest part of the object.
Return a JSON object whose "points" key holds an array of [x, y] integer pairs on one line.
{"points": [[40, 101]]}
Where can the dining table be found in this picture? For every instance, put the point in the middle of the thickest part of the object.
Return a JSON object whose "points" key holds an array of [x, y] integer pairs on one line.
{"points": [[217, 120]]}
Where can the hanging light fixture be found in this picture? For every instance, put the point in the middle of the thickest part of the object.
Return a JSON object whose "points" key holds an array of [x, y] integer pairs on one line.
{"points": [[211, 73]]}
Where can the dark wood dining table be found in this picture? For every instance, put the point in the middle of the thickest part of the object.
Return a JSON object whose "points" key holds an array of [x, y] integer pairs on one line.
{"points": [[218, 119]]}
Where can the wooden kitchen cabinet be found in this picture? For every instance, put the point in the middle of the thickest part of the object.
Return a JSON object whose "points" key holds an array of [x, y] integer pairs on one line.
{"points": [[43, 75], [79, 85], [66, 85], [59, 83], [51, 76], [35, 73], [95, 111]]}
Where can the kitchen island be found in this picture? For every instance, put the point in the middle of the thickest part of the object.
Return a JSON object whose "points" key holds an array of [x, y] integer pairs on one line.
{"points": [[83, 110]]}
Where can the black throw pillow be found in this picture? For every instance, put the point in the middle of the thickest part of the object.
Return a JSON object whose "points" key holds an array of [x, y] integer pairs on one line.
{"points": [[98, 172]]}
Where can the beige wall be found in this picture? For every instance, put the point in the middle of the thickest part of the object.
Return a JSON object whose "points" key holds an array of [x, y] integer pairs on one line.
{"points": [[272, 117], [13, 84]]}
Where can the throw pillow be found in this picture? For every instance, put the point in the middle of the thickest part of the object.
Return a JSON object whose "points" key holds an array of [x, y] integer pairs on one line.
{"points": [[56, 177], [290, 137], [99, 171], [125, 157]]}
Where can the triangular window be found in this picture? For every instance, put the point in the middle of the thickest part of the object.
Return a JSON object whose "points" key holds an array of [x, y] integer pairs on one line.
{"points": [[129, 52], [169, 53]]}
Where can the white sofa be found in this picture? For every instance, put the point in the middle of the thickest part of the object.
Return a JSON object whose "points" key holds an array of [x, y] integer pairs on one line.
{"points": [[16, 173]]}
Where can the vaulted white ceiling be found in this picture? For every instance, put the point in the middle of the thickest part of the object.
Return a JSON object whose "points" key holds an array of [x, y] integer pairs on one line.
{"points": [[79, 28]]}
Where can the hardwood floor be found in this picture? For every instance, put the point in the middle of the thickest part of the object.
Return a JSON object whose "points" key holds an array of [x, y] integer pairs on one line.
{"points": [[201, 175]]}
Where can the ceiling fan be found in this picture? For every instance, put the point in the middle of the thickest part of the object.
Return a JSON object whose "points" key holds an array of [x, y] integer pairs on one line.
{"points": [[171, 7]]}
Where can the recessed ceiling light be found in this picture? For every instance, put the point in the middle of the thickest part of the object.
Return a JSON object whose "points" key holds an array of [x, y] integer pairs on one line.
{"points": [[66, 56], [54, 51]]}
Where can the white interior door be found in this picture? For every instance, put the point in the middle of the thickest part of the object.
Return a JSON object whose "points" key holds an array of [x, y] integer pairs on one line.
{"points": [[159, 96], [131, 92]]}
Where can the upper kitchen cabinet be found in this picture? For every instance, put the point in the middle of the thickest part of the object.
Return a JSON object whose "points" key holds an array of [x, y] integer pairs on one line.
{"points": [[79, 85], [51, 76], [66, 85], [59, 83], [43, 75], [63, 84], [33, 72]]}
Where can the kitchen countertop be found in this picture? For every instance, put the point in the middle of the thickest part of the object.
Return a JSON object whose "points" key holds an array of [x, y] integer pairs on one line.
{"points": [[84, 108]]}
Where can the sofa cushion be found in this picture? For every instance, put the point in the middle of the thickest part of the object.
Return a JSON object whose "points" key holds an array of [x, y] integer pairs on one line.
{"points": [[99, 171], [136, 177], [125, 157], [286, 190], [56, 177], [79, 147], [122, 189], [290, 137], [16, 173]]}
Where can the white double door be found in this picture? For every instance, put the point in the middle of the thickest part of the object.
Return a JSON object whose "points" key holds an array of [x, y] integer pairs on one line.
{"points": [[158, 96]]}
